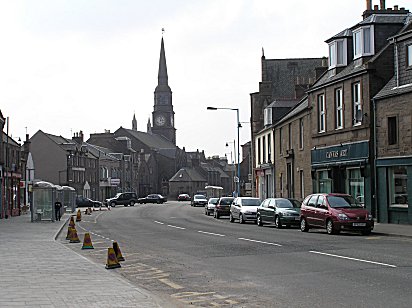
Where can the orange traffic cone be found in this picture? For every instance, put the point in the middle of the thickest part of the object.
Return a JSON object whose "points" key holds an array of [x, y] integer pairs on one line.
{"points": [[71, 223], [112, 259], [74, 238], [117, 251], [79, 215], [69, 230], [87, 241]]}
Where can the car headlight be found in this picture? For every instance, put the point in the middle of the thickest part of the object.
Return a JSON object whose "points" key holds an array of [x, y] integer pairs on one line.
{"points": [[369, 217], [343, 217]]}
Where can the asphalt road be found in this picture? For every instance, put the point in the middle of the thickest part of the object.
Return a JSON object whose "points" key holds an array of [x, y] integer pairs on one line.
{"points": [[187, 258]]}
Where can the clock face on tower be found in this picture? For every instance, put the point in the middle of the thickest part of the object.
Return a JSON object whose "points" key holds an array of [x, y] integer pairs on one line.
{"points": [[160, 120]]}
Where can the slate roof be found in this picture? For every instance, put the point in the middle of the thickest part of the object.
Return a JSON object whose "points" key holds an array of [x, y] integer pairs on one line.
{"points": [[302, 105], [153, 141], [10, 140], [390, 89], [282, 73], [283, 103], [187, 175], [98, 151], [342, 34], [382, 19]]}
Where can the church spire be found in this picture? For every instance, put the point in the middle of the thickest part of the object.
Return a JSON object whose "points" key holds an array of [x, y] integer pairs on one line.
{"points": [[162, 75], [134, 122]]}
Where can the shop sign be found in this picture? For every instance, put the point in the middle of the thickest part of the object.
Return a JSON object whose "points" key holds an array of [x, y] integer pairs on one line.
{"points": [[340, 153]]}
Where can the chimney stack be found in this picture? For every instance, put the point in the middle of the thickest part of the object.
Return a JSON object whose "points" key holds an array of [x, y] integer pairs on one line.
{"points": [[382, 5], [368, 5]]}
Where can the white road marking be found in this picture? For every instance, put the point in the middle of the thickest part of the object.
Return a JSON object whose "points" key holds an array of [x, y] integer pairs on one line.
{"points": [[260, 242], [158, 222], [354, 259], [171, 226], [210, 233], [171, 284]]}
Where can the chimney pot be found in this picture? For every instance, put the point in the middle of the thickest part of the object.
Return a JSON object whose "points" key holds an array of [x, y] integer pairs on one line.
{"points": [[395, 7], [376, 7], [382, 4]]}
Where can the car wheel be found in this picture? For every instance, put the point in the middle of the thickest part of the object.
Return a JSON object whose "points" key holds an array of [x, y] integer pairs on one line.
{"points": [[158, 202], [259, 221], [329, 227], [304, 225], [113, 204], [241, 220], [217, 215], [278, 223], [366, 232], [231, 218], [132, 203]]}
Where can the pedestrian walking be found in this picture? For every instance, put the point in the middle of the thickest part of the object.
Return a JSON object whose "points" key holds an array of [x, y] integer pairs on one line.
{"points": [[57, 209]]}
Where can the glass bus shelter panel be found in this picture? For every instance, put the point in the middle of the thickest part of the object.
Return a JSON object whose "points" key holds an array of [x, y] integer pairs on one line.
{"points": [[43, 204]]}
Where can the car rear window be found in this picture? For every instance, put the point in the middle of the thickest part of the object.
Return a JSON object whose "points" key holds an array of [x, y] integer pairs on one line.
{"points": [[251, 202], [213, 200], [226, 201]]}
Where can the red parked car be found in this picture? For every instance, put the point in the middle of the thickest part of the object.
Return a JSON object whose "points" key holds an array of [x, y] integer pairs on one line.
{"points": [[335, 212]]}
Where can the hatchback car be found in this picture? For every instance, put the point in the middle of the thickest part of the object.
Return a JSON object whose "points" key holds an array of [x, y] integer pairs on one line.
{"points": [[210, 206], [199, 200], [87, 202], [244, 209], [335, 212], [222, 207], [183, 197], [152, 198], [125, 199], [279, 211]]}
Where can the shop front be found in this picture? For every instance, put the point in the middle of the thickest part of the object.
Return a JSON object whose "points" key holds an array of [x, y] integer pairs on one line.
{"points": [[264, 181], [395, 179], [343, 168]]}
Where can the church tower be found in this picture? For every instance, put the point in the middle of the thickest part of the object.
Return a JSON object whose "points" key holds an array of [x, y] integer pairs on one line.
{"points": [[163, 114]]}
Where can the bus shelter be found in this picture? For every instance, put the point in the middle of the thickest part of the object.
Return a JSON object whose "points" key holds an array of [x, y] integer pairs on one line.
{"points": [[68, 199], [44, 197]]}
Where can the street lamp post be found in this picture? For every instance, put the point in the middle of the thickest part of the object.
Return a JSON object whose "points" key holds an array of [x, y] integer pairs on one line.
{"points": [[238, 125]]}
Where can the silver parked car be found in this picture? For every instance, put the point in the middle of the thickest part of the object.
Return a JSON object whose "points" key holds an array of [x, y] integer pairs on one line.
{"points": [[244, 209], [210, 206]]}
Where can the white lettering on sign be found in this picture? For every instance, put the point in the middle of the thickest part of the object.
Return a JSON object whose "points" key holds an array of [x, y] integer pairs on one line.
{"points": [[337, 154]]}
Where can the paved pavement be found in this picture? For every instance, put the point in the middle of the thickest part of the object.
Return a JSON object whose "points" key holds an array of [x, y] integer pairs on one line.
{"points": [[37, 271]]}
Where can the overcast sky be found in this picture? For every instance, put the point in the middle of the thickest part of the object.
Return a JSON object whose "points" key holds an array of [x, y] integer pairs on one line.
{"points": [[74, 65]]}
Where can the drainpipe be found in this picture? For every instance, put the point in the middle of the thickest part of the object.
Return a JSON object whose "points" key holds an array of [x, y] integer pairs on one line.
{"points": [[396, 62], [375, 154]]}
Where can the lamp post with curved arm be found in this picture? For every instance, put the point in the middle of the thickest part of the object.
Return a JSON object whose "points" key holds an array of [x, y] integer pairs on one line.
{"points": [[238, 125]]}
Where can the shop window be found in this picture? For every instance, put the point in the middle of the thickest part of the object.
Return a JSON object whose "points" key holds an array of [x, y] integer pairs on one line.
{"points": [[392, 131], [398, 184], [324, 182], [355, 185]]}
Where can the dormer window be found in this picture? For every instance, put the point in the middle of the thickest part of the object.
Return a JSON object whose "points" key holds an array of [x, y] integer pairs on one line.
{"points": [[267, 115], [337, 53], [363, 43]]}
